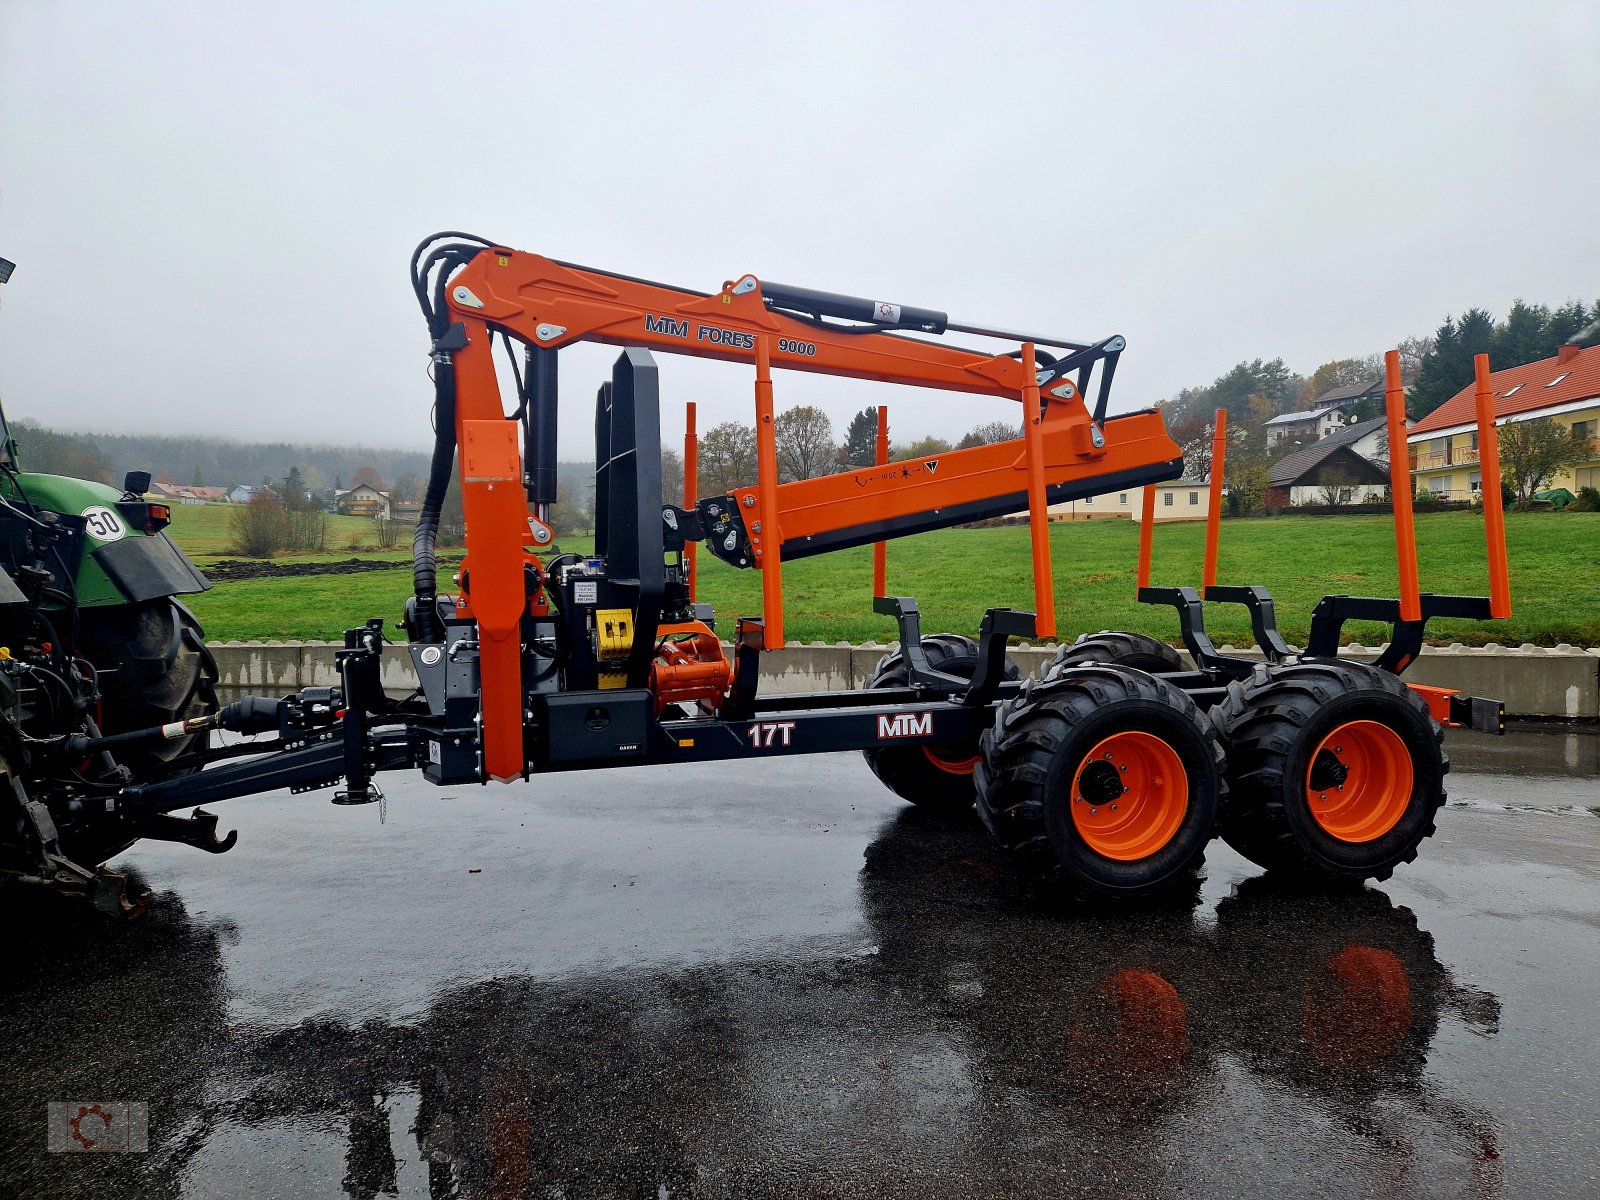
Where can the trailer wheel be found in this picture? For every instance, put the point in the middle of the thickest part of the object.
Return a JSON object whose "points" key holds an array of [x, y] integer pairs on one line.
{"points": [[1137, 650], [938, 778], [1336, 769], [1102, 779]]}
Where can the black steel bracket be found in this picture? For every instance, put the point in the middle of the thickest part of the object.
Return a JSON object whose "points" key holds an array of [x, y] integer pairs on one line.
{"points": [[1263, 617], [363, 693], [1479, 714], [1405, 640], [749, 640], [998, 625], [918, 671], [1192, 626]]}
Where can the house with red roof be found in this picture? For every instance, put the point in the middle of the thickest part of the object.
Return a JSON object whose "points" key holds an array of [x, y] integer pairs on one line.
{"points": [[1565, 389]]}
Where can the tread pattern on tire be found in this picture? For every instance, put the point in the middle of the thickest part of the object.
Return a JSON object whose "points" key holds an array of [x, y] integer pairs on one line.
{"points": [[155, 668], [905, 770], [1137, 650], [1261, 719], [1029, 731]]}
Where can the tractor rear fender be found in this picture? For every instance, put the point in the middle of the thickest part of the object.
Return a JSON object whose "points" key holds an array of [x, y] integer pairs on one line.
{"points": [[113, 562]]}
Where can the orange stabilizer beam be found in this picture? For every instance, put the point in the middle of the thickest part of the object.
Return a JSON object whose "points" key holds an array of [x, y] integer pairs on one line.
{"points": [[765, 537], [1219, 460], [691, 486], [1044, 590], [1147, 524], [1494, 518], [496, 510], [1405, 526], [880, 550]]}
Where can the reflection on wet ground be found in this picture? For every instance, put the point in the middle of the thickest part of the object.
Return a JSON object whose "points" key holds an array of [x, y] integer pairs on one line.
{"points": [[703, 989]]}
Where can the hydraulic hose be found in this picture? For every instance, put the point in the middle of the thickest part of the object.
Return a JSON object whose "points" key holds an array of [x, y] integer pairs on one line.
{"points": [[425, 625], [424, 543]]}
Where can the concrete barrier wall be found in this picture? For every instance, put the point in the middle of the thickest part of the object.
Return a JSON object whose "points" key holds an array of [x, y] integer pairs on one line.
{"points": [[1534, 681]]}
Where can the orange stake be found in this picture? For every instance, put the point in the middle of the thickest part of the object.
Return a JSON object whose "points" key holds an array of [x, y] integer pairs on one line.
{"points": [[1044, 589], [1405, 529], [1147, 522], [765, 536], [1219, 460], [691, 485], [880, 550], [1494, 518]]}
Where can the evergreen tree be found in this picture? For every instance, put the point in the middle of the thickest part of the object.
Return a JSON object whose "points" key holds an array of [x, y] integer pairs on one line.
{"points": [[1271, 379], [861, 438], [1448, 368], [1523, 337], [1565, 322]]}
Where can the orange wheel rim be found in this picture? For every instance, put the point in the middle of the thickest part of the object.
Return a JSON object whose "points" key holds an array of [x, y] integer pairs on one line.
{"points": [[950, 762], [1359, 782], [1129, 795]]}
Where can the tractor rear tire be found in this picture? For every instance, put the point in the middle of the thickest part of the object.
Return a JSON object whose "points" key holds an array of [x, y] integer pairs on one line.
{"points": [[154, 668], [1102, 780], [1137, 650], [1336, 770], [936, 778]]}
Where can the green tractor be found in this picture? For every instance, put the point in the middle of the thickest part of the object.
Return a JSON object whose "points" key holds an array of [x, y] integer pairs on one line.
{"points": [[93, 643]]}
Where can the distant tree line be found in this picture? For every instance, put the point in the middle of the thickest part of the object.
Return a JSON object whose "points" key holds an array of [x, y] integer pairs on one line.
{"points": [[1253, 392]]}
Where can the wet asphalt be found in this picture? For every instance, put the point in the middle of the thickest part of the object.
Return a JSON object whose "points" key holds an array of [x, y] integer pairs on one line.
{"points": [[776, 980]]}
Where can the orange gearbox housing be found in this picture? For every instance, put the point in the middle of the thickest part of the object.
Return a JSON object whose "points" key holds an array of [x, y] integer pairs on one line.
{"points": [[689, 667]]}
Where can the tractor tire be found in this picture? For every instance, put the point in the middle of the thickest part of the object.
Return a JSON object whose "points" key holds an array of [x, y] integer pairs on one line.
{"points": [[1102, 780], [936, 778], [1136, 650], [154, 668], [1335, 768]]}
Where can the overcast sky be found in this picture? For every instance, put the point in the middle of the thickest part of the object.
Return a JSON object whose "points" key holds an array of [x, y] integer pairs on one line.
{"points": [[212, 204]]}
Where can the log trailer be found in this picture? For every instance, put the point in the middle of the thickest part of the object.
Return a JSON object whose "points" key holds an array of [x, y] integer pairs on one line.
{"points": [[1108, 775]]}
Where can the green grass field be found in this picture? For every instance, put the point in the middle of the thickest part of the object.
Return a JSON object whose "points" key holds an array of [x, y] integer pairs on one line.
{"points": [[956, 574], [203, 530]]}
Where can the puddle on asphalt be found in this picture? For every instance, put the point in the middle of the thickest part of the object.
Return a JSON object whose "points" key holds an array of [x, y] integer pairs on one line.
{"points": [[939, 1029]]}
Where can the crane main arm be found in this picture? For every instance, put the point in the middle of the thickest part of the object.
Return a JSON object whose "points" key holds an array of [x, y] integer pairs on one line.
{"points": [[481, 290]]}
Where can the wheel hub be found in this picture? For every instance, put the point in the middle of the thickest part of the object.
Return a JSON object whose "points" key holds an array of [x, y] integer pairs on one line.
{"points": [[1100, 783], [1327, 771], [1359, 783], [1129, 795]]}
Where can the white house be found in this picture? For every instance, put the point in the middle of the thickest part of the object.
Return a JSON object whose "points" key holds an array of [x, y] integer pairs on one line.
{"points": [[1311, 425], [1176, 500], [363, 500], [1350, 465]]}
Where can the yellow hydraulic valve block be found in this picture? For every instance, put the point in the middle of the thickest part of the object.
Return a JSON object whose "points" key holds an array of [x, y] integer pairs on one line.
{"points": [[613, 643]]}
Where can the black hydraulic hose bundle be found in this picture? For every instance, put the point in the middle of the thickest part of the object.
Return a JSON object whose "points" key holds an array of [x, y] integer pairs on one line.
{"points": [[424, 543]]}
